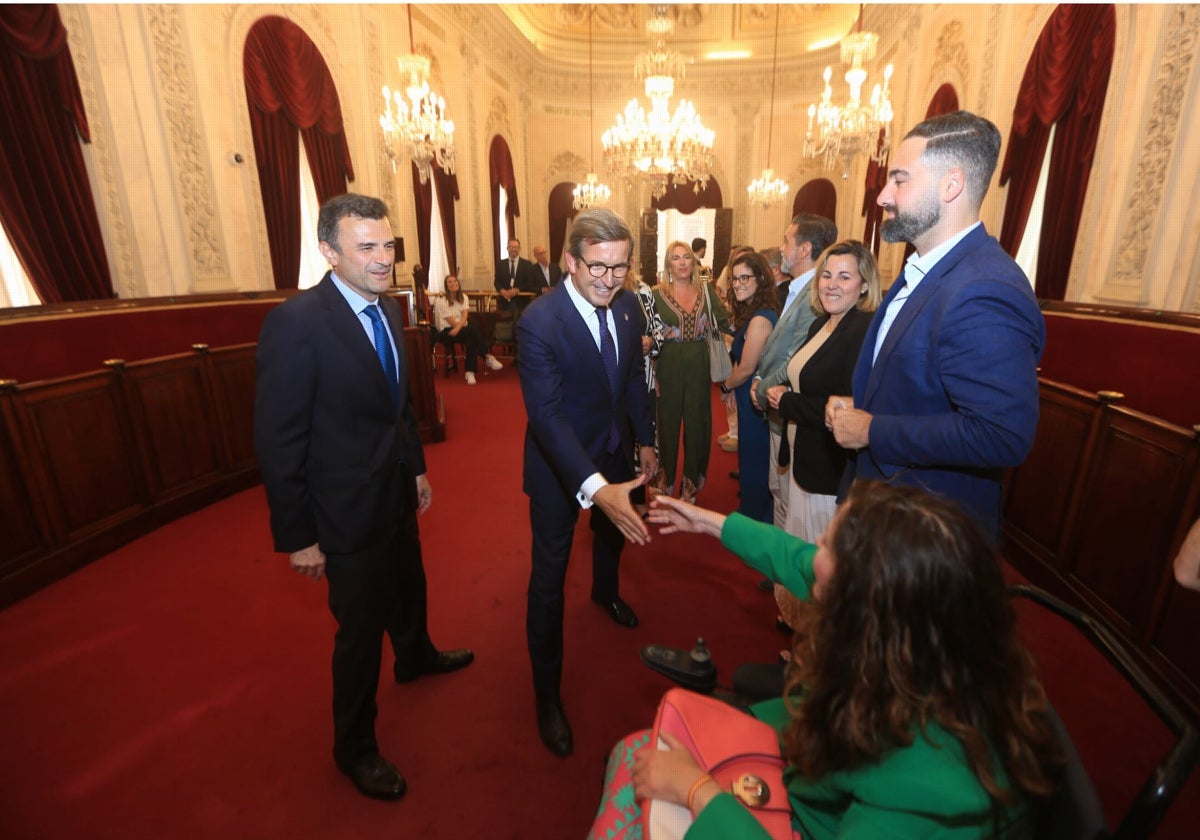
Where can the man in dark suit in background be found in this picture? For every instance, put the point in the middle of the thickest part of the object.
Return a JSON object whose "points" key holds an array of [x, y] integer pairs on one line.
{"points": [[581, 378], [513, 276], [545, 274], [946, 390], [344, 473]]}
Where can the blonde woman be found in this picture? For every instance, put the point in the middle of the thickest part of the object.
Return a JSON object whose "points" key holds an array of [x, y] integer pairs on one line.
{"points": [[684, 384]]}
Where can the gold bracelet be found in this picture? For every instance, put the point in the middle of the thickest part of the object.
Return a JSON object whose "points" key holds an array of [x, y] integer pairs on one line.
{"points": [[696, 785]]}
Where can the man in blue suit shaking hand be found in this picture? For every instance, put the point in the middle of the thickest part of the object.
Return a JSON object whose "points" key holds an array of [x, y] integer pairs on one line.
{"points": [[581, 379], [945, 389]]}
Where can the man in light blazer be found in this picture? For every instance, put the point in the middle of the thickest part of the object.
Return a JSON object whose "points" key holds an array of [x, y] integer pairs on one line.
{"points": [[945, 389], [805, 239], [344, 473], [585, 397]]}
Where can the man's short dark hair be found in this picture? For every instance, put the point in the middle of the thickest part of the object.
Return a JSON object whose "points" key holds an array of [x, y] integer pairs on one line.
{"points": [[816, 231], [962, 139], [339, 207], [597, 224], [699, 243]]}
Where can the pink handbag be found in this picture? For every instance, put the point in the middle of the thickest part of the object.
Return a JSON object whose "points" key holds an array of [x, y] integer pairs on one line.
{"points": [[737, 750]]}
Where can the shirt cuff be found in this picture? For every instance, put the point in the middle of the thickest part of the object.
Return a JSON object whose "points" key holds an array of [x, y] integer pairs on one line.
{"points": [[590, 485]]}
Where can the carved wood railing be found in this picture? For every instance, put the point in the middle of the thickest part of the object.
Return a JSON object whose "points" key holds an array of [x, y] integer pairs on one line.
{"points": [[103, 457], [1097, 513]]}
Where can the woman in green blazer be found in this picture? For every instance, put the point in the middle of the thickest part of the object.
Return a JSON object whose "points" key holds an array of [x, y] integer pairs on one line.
{"points": [[914, 711]]}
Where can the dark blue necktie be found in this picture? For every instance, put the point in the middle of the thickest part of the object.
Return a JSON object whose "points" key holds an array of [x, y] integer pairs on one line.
{"points": [[608, 348], [608, 355], [383, 348]]}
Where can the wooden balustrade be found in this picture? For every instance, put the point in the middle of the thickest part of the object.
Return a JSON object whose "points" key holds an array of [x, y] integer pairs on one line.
{"points": [[103, 457], [1097, 513]]}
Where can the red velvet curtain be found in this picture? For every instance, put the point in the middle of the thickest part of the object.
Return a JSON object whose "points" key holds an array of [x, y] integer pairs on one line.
{"points": [[1065, 84], [500, 173], [289, 89], [817, 196], [560, 207], [46, 203], [447, 193], [683, 198]]}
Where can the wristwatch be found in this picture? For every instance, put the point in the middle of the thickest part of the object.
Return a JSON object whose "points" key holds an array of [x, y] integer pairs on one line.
{"points": [[724, 389]]}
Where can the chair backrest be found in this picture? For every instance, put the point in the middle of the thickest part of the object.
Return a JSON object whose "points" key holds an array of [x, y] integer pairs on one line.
{"points": [[1076, 812]]}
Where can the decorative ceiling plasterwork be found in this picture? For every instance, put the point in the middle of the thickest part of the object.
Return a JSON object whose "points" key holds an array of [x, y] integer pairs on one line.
{"points": [[990, 50], [178, 94], [113, 206], [1158, 148]]}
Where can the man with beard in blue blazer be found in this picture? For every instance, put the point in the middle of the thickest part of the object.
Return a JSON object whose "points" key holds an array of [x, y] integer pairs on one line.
{"points": [[946, 389], [581, 379]]}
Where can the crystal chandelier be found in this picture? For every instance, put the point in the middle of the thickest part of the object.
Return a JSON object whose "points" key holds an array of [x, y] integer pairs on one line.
{"points": [[768, 190], [417, 128], [840, 134], [659, 147], [592, 193]]}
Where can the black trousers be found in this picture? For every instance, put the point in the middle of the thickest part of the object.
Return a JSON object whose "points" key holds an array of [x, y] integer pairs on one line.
{"points": [[552, 517], [471, 341], [372, 592]]}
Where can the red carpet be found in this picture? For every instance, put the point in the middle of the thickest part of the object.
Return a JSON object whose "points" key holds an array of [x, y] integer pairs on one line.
{"points": [[180, 688]]}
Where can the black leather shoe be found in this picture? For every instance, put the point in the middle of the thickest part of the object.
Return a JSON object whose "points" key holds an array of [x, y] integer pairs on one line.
{"points": [[377, 778], [553, 728], [442, 663], [621, 612]]}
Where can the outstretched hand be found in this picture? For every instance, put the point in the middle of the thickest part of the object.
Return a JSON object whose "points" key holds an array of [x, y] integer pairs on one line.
{"points": [[676, 516], [613, 499]]}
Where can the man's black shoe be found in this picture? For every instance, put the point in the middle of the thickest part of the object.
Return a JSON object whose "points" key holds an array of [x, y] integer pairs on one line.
{"points": [[553, 728], [377, 778], [621, 612], [735, 475], [442, 663]]}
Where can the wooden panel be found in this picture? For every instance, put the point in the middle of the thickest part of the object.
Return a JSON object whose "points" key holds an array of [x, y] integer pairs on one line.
{"points": [[20, 537], [1132, 499], [83, 438], [430, 425], [233, 372], [174, 419], [1041, 489]]}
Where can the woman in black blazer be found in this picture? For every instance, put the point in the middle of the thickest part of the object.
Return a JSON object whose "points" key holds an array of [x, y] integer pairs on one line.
{"points": [[845, 293]]}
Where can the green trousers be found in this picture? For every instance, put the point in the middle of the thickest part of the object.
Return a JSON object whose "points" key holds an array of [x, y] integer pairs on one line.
{"points": [[684, 401]]}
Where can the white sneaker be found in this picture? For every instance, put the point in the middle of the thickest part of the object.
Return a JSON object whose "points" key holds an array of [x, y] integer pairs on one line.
{"points": [[492, 362], [470, 378]]}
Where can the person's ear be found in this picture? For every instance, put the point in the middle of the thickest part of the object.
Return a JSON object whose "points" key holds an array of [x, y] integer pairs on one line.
{"points": [[953, 184], [330, 253]]}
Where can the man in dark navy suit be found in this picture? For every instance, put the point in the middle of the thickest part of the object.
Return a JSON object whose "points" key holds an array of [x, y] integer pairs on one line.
{"points": [[585, 397], [545, 274], [344, 473], [513, 276], [946, 390]]}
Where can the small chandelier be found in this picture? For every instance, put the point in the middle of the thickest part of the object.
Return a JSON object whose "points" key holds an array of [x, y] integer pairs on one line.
{"points": [[417, 128], [840, 134], [592, 193], [768, 190], [659, 147]]}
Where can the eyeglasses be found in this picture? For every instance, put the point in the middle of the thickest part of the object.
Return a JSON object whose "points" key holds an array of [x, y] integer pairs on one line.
{"points": [[743, 279], [599, 269]]}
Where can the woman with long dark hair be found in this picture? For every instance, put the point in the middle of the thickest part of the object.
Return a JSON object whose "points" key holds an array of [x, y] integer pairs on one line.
{"points": [[912, 709], [755, 309]]}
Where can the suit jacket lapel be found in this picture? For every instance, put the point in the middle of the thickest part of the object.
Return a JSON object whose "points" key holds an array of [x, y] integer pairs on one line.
{"points": [[349, 331], [913, 306]]}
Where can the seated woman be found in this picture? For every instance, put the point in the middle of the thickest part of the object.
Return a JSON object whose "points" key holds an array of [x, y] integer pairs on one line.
{"points": [[912, 709], [450, 313]]}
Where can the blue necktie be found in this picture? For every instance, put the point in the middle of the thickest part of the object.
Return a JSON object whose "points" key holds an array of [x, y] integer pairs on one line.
{"points": [[608, 348], [383, 349], [608, 355]]}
